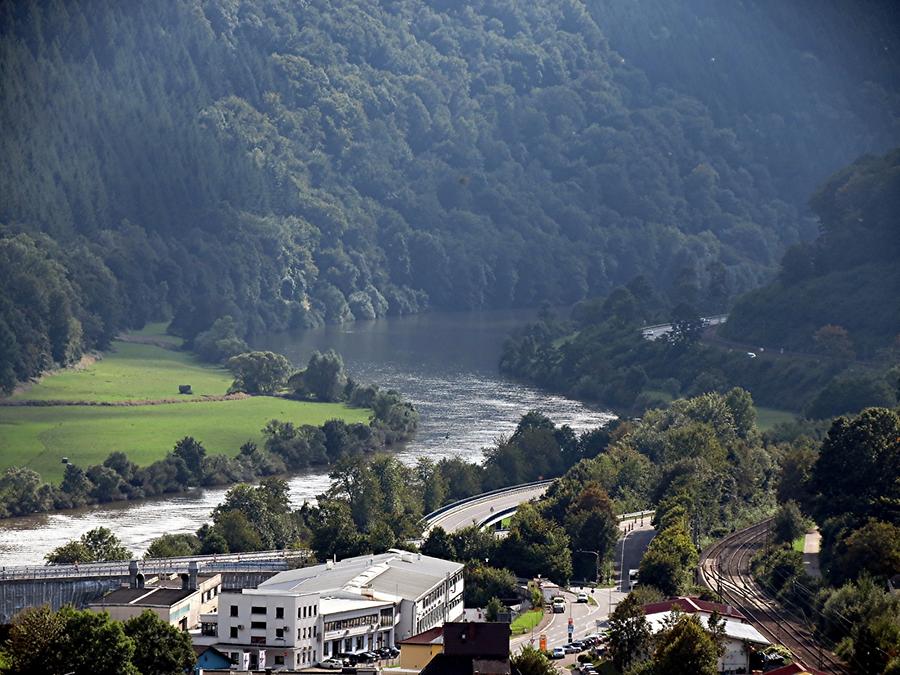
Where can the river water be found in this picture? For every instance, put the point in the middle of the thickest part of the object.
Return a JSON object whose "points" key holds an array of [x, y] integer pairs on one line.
{"points": [[445, 363]]}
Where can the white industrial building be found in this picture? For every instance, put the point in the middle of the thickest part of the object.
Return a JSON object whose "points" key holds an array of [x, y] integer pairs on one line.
{"points": [[301, 617]]}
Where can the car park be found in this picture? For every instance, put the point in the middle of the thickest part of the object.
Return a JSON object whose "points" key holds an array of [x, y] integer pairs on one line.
{"points": [[558, 653]]}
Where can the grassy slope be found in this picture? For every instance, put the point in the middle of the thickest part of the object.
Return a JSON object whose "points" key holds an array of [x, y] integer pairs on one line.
{"points": [[132, 372], [766, 418], [526, 621], [38, 437]]}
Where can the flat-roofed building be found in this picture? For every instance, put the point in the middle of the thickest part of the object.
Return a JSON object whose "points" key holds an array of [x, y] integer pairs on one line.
{"points": [[301, 617], [177, 599]]}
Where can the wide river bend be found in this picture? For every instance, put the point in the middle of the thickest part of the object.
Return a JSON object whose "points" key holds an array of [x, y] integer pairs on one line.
{"points": [[445, 363]]}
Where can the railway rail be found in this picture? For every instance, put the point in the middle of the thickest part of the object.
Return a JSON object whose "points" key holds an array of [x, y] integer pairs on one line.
{"points": [[725, 568]]}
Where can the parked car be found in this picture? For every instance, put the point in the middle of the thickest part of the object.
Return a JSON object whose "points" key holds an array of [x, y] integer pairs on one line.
{"points": [[582, 597], [558, 653], [369, 656], [350, 659], [332, 664], [571, 648]]}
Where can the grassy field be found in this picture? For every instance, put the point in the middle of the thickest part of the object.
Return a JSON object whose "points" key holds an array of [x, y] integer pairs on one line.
{"points": [[766, 418], [38, 437], [526, 621], [129, 372]]}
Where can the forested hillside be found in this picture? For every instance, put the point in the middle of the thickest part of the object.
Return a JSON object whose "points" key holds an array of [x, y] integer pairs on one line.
{"points": [[840, 294], [826, 330], [289, 163]]}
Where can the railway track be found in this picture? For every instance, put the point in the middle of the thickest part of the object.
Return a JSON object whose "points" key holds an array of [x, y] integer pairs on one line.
{"points": [[725, 568]]}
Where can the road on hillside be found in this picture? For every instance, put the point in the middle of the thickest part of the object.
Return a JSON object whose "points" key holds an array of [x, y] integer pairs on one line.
{"points": [[478, 511]]}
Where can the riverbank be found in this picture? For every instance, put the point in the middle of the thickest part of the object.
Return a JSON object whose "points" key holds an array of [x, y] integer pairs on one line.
{"points": [[127, 400], [445, 363]]}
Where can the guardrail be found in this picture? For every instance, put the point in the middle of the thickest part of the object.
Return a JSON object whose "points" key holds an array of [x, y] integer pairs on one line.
{"points": [[258, 560], [483, 496]]}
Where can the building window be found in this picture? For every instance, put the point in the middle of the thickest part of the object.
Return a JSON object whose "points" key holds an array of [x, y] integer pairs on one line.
{"points": [[234, 632], [234, 656], [354, 622], [279, 612], [315, 631], [257, 639], [209, 629], [279, 633], [279, 660], [257, 610], [258, 625], [234, 610]]}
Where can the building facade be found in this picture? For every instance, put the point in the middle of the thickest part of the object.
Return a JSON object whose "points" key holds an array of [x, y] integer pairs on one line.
{"points": [[301, 617], [177, 599]]}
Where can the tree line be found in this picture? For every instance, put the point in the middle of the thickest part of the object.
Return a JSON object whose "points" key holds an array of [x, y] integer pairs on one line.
{"points": [[287, 447], [83, 642], [823, 335], [847, 486], [169, 160]]}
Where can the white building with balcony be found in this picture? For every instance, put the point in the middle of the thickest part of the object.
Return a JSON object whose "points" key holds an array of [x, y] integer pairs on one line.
{"points": [[300, 617]]}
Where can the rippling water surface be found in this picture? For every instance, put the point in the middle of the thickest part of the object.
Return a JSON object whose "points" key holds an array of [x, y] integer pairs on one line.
{"points": [[445, 363]]}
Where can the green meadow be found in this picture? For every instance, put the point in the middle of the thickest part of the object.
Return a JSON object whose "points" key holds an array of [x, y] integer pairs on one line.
{"points": [[40, 436], [132, 372], [766, 418]]}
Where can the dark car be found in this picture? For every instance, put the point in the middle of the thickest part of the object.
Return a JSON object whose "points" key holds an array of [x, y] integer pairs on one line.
{"points": [[349, 659], [370, 656]]}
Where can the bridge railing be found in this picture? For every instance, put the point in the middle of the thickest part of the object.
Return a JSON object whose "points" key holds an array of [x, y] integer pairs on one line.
{"points": [[431, 517], [257, 560]]}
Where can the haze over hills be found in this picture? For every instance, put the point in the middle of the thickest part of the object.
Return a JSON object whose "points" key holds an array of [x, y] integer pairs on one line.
{"points": [[289, 163], [847, 278]]}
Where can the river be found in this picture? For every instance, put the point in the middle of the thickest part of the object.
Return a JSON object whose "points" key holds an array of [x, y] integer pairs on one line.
{"points": [[445, 363]]}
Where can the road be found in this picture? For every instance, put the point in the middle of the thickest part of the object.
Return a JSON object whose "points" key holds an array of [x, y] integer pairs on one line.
{"points": [[477, 511], [655, 332], [637, 535]]}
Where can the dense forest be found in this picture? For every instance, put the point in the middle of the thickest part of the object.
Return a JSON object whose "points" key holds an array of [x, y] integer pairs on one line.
{"points": [[848, 278], [824, 334], [292, 163]]}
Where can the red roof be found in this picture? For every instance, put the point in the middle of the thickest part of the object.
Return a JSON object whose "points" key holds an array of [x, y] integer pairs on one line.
{"points": [[426, 638], [692, 606], [794, 669]]}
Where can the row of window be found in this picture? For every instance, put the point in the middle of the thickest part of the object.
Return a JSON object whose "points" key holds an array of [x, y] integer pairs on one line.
{"points": [[307, 611], [206, 596], [306, 655], [307, 632], [353, 622]]}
